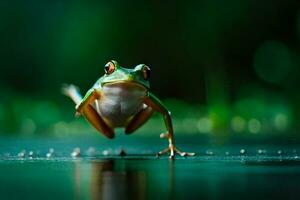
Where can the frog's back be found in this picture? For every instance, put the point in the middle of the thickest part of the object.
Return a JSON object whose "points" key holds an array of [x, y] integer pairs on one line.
{"points": [[120, 102]]}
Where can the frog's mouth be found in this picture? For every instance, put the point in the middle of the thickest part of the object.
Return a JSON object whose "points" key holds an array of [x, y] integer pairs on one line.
{"points": [[126, 85]]}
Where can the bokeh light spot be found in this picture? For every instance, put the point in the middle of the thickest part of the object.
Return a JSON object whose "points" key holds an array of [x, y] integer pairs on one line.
{"points": [[254, 126], [204, 125], [281, 122], [189, 124], [272, 61], [28, 126], [238, 124], [61, 129]]}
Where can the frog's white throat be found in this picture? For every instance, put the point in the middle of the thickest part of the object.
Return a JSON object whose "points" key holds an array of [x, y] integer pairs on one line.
{"points": [[120, 101]]}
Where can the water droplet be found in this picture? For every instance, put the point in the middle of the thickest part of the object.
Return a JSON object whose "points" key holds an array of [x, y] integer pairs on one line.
{"points": [[30, 153], [91, 151], [243, 151], [209, 152], [107, 152], [49, 155], [51, 150], [22, 154], [261, 151], [76, 152]]}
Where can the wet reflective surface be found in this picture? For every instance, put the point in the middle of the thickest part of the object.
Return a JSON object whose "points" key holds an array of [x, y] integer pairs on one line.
{"points": [[215, 173]]}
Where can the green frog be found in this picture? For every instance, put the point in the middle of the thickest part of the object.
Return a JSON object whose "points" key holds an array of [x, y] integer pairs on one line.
{"points": [[121, 98]]}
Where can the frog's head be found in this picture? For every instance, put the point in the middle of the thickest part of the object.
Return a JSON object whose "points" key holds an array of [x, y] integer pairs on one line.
{"points": [[114, 73]]}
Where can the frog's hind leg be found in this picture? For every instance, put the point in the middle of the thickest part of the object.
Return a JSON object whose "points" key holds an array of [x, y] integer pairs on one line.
{"points": [[88, 111], [97, 121], [139, 119]]}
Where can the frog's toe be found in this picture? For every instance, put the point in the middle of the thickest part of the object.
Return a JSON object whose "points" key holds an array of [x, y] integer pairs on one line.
{"points": [[173, 150], [184, 154], [163, 152], [187, 154]]}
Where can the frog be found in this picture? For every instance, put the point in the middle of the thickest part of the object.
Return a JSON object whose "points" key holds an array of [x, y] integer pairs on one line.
{"points": [[121, 98]]}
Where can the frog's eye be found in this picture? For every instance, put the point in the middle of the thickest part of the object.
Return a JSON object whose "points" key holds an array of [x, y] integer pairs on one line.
{"points": [[146, 72], [109, 68]]}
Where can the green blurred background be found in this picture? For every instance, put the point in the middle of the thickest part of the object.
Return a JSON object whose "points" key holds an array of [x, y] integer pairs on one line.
{"points": [[226, 69]]}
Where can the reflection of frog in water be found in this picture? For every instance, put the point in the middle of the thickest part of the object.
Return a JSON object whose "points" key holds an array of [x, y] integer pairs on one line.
{"points": [[121, 98], [106, 182]]}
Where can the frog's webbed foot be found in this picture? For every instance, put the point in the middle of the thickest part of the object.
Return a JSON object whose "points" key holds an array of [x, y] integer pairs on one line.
{"points": [[173, 149]]}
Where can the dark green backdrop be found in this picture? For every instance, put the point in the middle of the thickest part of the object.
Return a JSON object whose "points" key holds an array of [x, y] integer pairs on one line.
{"points": [[222, 67]]}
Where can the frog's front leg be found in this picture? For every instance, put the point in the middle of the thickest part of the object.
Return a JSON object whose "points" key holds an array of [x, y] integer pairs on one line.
{"points": [[85, 107], [157, 105]]}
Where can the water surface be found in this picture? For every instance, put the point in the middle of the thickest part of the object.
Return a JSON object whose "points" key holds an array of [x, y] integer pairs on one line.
{"points": [[99, 172]]}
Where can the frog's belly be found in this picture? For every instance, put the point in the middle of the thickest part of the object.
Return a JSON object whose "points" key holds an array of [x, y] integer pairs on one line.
{"points": [[118, 105]]}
